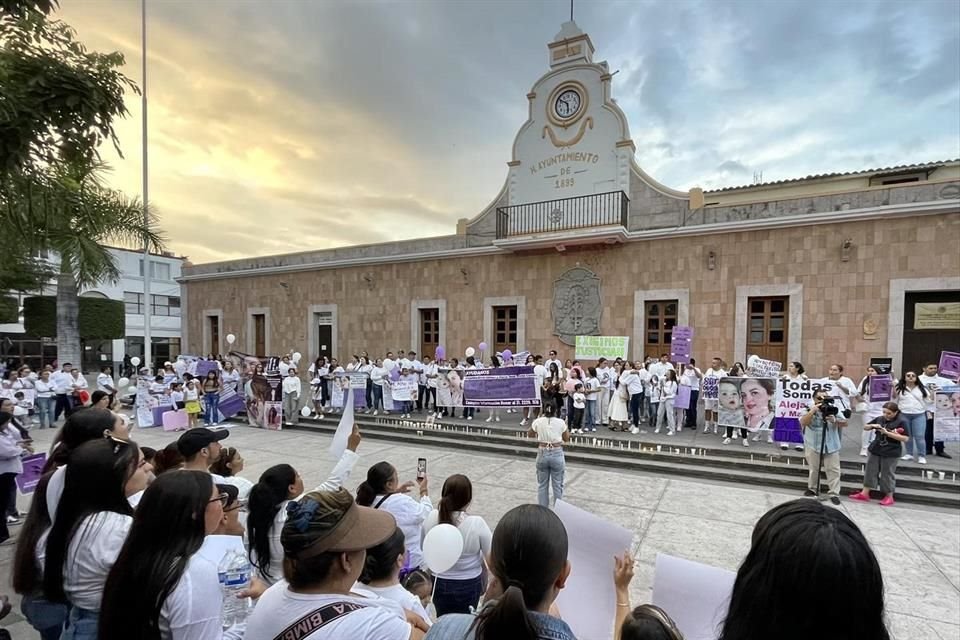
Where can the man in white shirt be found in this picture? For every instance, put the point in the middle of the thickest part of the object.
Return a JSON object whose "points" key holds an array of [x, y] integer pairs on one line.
{"points": [[552, 359], [661, 367], [932, 380], [416, 367], [693, 376], [291, 396], [428, 383], [605, 378], [105, 382], [61, 388], [631, 378], [710, 405]]}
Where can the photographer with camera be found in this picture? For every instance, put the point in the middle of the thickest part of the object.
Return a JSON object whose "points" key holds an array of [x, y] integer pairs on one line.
{"points": [[821, 440], [881, 469]]}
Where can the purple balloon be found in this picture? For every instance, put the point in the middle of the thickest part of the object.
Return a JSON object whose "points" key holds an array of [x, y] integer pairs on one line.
{"points": [[507, 354], [395, 374], [441, 353], [483, 346]]}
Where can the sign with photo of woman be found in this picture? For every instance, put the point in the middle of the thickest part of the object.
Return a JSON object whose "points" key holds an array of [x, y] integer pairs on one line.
{"points": [[747, 403], [946, 414]]}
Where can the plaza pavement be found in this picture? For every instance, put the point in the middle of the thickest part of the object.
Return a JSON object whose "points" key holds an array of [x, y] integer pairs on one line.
{"points": [[918, 548]]}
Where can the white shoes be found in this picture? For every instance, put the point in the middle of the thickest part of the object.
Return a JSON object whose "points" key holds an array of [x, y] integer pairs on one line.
{"points": [[490, 419], [863, 452], [523, 422], [634, 430], [669, 432], [770, 439], [746, 442], [706, 428], [469, 417], [374, 412], [756, 438], [657, 430], [727, 441], [496, 419], [907, 457], [921, 460]]}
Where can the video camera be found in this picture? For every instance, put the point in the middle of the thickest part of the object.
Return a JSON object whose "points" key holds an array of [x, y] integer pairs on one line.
{"points": [[828, 408]]}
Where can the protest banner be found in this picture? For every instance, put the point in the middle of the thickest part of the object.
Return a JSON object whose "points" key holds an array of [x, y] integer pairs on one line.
{"points": [[711, 387], [145, 403], [231, 401], [946, 414], [273, 415], [765, 368], [32, 472], [696, 596], [588, 602], [950, 365], [883, 366], [793, 400], [747, 403], [404, 390], [681, 341], [203, 367], [28, 400], [596, 347], [682, 399], [881, 388], [500, 387]]}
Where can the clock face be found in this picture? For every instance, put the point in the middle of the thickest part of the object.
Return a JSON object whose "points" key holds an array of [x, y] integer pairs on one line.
{"points": [[567, 104]]}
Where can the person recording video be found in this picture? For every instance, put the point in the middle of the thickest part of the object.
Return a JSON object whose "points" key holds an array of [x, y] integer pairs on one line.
{"points": [[821, 439]]}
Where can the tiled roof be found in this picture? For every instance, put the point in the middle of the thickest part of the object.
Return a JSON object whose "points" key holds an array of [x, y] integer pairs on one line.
{"points": [[881, 170]]}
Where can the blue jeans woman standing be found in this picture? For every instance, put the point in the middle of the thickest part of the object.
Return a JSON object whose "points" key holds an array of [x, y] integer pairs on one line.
{"points": [[212, 403]]}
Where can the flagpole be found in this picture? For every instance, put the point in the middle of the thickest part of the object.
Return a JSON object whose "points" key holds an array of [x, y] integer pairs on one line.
{"points": [[147, 300]]}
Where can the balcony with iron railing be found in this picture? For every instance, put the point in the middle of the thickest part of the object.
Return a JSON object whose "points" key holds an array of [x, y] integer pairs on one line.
{"points": [[580, 216]]}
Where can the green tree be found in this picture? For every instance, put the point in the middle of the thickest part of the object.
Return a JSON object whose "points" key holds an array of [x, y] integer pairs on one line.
{"points": [[58, 101], [70, 212]]}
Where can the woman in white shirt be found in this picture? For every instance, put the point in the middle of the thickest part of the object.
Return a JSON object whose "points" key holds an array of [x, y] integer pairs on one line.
{"points": [[668, 393], [291, 396], [914, 401], [381, 575], [458, 589], [874, 410], [160, 564], [382, 490], [267, 508], [551, 432], [228, 466], [12, 448], [45, 399], [91, 524]]}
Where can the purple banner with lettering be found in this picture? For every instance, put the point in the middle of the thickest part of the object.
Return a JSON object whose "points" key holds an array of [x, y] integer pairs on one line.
{"points": [[681, 340], [32, 471], [950, 365], [682, 401], [881, 388], [500, 387]]}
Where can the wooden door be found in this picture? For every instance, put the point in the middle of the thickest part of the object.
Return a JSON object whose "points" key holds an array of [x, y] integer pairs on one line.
{"points": [[660, 318], [429, 332], [260, 334], [767, 328], [929, 327]]}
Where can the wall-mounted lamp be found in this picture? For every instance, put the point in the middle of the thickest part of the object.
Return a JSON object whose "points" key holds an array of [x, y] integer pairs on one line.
{"points": [[711, 260], [845, 249]]}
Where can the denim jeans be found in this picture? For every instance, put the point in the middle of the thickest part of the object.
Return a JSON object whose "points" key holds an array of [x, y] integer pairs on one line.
{"points": [[46, 617], [457, 596], [653, 409], [550, 469], [82, 624], [377, 398], [691, 421], [212, 402], [635, 400], [917, 430], [45, 411], [590, 415]]}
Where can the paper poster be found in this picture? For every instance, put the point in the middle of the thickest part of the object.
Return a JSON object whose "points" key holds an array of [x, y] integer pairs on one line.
{"points": [[711, 387], [405, 390], [793, 400], [273, 415], [950, 365], [145, 403], [682, 400], [747, 403], [883, 366], [696, 596], [881, 388], [765, 368], [588, 601], [681, 342], [595, 347], [32, 472], [946, 415]]}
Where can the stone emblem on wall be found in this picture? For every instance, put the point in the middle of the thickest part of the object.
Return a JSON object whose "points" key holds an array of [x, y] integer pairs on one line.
{"points": [[576, 305]]}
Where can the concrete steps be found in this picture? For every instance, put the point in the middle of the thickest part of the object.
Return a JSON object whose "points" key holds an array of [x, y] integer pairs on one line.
{"points": [[785, 470]]}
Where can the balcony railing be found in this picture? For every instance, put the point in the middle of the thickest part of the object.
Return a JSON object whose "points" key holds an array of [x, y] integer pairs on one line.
{"points": [[580, 212]]}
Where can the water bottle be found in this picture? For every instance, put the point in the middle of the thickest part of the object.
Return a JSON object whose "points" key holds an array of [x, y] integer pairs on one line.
{"points": [[234, 573]]}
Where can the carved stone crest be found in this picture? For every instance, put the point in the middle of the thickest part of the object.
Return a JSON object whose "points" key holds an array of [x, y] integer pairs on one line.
{"points": [[576, 305]]}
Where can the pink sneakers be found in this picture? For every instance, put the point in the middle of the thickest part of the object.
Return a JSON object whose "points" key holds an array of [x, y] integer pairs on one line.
{"points": [[860, 496], [887, 501]]}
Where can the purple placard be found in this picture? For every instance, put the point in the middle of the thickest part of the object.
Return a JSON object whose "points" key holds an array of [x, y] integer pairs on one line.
{"points": [[231, 403], [950, 365], [32, 471], [682, 401], [206, 366], [881, 388], [681, 338], [500, 387]]}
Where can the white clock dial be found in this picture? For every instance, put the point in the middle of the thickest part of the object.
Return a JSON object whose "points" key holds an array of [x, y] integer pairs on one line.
{"points": [[567, 104]]}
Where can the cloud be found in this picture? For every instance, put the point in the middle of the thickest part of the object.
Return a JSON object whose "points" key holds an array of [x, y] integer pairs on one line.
{"points": [[290, 126]]}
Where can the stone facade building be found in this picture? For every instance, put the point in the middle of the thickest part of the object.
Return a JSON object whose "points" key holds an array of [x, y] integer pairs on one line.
{"points": [[580, 240]]}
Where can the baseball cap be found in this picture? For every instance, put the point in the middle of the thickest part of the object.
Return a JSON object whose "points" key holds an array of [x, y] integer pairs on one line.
{"points": [[325, 521], [193, 440]]}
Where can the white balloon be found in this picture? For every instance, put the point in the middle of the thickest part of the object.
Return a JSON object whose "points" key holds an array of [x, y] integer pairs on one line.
{"points": [[296, 357], [135, 361], [131, 389], [231, 338], [752, 361], [388, 364], [470, 351], [122, 382], [305, 412], [442, 547], [168, 364]]}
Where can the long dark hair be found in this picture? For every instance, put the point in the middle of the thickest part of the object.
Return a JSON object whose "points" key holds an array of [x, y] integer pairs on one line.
{"points": [[168, 528], [528, 553], [902, 384], [26, 574], [221, 466], [382, 559], [266, 497], [797, 548], [376, 483], [456, 494], [82, 426], [94, 483]]}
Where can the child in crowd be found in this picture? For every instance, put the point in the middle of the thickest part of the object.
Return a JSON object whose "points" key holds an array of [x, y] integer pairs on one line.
{"points": [[177, 396], [652, 389], [592, 391], [410, 380], [191, 401], [579, 404], [21, 410]]}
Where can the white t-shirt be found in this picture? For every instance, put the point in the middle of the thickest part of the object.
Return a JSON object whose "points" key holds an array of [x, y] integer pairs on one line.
{"points": [[693, 381], [90, 556], [409, 514], [668, 389], [194, 609], [660, 369], [579, 400], [284, 368], [549, 430], [77, 383], [44, 389], [540, 372], [633, 382], [606, 377], [61, 381], [242, 484], [103, 381], [401, 596], [429, 370], [591, 385], [477, 539], [932, 383], [278, 608]]}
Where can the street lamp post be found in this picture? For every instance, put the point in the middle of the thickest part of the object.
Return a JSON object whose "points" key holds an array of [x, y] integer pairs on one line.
{"points": [[147, 302]]}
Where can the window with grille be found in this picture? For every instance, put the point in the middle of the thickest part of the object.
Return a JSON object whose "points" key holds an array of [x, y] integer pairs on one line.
{"points": [[133, 302], [429, 331], [505, 328], [660, 317]]}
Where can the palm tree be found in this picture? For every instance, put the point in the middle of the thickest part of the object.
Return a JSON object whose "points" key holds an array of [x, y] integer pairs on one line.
{"points": [[70, 212]]}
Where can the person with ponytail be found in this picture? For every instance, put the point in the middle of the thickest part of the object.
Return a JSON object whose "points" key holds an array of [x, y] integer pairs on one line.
{"points": [[162, 586], [459, 588], [266, 508], [382, 490], [528, 568], [381, 575]]}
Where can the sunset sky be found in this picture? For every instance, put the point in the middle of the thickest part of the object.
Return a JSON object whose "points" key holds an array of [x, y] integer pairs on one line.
{"points": [[302, 124]]}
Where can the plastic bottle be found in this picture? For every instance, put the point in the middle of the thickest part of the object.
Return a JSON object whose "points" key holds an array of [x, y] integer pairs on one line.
{"points": [[234, 573]]}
